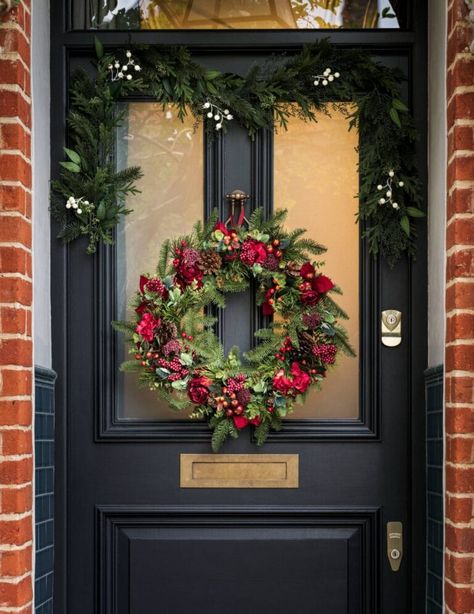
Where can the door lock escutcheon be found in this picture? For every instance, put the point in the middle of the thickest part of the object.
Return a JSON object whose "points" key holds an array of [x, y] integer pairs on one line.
{"points": [[395, 544], [391, 327]]}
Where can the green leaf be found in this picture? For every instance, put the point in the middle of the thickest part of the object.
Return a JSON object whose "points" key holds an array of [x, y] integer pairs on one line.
{"points": [[71, 167], [179, 385], [162, 373], [405, 224], [212, 74], [73, 156], [186, 359], [414, 212], [101, 211], [99, 48], [399, 105], [395, 117]]}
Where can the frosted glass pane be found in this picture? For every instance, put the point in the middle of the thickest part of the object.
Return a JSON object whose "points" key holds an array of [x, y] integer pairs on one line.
{"points": [[316, 179], [170, 153]]}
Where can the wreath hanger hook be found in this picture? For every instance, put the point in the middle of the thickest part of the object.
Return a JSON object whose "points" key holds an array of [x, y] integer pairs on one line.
{"points": [[237, 198]]}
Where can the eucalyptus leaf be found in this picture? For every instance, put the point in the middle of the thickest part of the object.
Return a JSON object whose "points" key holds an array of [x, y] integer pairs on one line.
{"points": [[405, 224]]}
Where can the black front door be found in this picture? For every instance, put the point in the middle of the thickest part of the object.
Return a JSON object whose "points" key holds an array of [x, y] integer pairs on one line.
{"points": [[130, 539]]}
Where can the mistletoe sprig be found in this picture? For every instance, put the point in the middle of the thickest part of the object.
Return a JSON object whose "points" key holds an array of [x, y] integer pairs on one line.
{"points": [[266, 98], [175, 348]]}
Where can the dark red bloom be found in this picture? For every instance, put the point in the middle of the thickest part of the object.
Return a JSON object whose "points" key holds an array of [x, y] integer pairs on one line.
{"points": [[282, 383], [297, 384], [253, 252], [307, 271], [241, 421], [267, 307], [322, 284], [198, 389], [147, 325], [187, 268], [301, 380]]}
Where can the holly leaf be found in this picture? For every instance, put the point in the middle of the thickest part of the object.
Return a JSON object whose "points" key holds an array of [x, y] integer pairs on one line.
{"points": [[415, 212], [71, 167], [405, 224]]}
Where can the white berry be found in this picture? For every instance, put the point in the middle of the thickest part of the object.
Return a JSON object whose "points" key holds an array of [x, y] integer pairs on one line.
{"points": [[124, 68], [129, 77], [79, 211], [68, 205], [226, 111], [388, 193], [331, 78], [129, 54], [217, 117], [391, 173], [401, 184], [380, 187], [337, 75], [120, 75], [382, 201], [395, 206], [210, 114], [316, 82], [138, 68], [325, 82], [206, 105], [218, 126], [230, 116]]}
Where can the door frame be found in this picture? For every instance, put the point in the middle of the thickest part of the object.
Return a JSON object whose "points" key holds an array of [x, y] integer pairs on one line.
{"points": [[412, 42]]}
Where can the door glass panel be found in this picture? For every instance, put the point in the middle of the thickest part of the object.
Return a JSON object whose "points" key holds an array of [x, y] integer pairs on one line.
{"points": [[238, 14], [316, 179], [170, 153]]}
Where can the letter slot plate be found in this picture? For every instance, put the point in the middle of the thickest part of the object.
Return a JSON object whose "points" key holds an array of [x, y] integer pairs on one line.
{"points": [[395, 544]]}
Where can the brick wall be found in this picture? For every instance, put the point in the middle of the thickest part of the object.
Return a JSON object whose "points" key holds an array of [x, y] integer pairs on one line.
{"points": [[459, 383], [16, 463]]}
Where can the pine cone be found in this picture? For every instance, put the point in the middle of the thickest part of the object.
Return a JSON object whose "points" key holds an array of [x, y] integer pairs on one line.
{"points": [[166, 332], [210, 262], [307, 343], [293, 269]]}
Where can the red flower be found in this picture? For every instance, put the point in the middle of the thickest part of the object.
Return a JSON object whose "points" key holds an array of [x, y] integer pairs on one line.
{"points": [[322, 284], [153, 284], [309, 296], [198, 389], [187, 269], [241, 421], [223, 228], [298, 383], [143, 282], [301, 380], [253, 252], [146, 326], [307, 271]]}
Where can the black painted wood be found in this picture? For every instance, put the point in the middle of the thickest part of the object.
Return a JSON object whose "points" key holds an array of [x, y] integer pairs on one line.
{"points": [[118, 500]]}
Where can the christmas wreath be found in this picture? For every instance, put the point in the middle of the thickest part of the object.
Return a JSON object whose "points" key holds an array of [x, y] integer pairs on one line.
{"points": [[178, 354]]}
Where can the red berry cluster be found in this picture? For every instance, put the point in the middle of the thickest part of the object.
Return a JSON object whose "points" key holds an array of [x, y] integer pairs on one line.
{"points": [[178, 371], [235, 384], [231, 242], [326, 352], [284, 349]]}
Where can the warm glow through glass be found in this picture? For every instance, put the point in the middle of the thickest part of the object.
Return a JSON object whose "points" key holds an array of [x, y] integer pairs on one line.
{"points": [[316, 179]]}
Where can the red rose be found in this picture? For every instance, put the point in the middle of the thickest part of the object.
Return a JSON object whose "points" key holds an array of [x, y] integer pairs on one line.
{"points": [[322, 284], [307, 271], [309, 296], [282, 383], [146, 326], [198, 390], [241, 421], [301, 380], [253, 252]]}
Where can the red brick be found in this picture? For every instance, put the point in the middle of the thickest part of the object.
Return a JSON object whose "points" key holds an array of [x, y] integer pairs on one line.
{"points": [[460, 479], [13, 320], [460, 600], [18, 352], [13, 72], [16, 442], [16, 562], [16, 471], [15, 168], [460, 358], [15, 290], [461, 200], [14, 42], [460, 107], [460, 264], [460, 450], [461, 168], [460, 138], [19, 594], [459, 569], [15, 382], [15, 532], [460, 296], [12, 104], [16, 500], [14, 229], [459, 420], [15, 198], [14, 260], [460, 232], [14, 136], [459, 539], [459, 508], [461, 74], [15, 412], [460, 326], [458, 42]]}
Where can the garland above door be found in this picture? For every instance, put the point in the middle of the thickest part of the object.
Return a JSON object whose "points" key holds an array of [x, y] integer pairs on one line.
{"points": [[89, 198]]}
